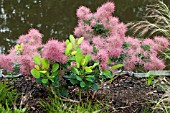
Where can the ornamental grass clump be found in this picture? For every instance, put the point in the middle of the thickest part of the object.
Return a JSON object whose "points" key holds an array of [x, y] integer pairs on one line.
{"points": [[107, 37]]}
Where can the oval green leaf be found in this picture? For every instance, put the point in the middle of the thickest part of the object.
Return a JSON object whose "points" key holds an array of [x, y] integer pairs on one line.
{"points": [[37, 59], [68, 48], [88, 70], [82, 84], [95, 87], [75, 71], [44, 81], [117, 66], [67, 42], [35, 73], [80, 40], [37, 67], [43, 72], [78, 78], [55, 67], [45, 63], [72, 39]]}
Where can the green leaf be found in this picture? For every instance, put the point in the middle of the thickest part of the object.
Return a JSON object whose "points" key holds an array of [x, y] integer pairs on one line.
{"points": [[95, 49], [44, 81], [80, 40], [117, 66], [52, 80], [95, 87], [55, 67], [66, 76], [90, 78], [78, 78], [37, 59], [82, 84], [83, 62], [78, 65], [146, 47], [38, 80], [73, 76], [107, 74], [87, 59], [88, 70], [79, 57], [68, 48], [67, 42], [54, 74], [95, 64], [35, 73], [150, 79], [75, 71], [74, 81], [73, 53], [37, 67], [45, 63], [72, 39], [109, 61], [43, 72]]}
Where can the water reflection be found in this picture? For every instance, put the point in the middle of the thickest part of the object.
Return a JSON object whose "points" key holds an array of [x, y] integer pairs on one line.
{"points": [[54, 18]]}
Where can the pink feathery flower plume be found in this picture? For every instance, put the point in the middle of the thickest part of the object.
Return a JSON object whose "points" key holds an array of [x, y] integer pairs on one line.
{"points": [[161, 42], [54, 50], [34, 37], [154, 63], [6, 62], [102, 57], [86, 48], [82, 11], [26, 64], [105, 11]]}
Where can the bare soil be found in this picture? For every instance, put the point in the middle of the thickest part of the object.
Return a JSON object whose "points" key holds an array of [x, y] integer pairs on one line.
{"points": [[124, 94]]}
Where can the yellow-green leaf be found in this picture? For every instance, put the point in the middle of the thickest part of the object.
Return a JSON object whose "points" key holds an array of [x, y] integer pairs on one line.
{"points": [[55, 67], [37, 67], [67, 42], [83, 62], [73, 53], [45, 63], [72, 39], [88, 70], [80, 40], [43, 72], [117, 66], [35, 73], [68, 48], [37, 59]]}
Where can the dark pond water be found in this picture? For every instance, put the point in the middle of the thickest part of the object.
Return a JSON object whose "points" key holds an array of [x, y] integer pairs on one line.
{"points": [[55, 18]]}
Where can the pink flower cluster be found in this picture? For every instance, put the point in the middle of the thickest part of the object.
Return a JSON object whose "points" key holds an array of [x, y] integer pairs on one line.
{"points": [[6, 62], [105, 41], [54, 50], [29, 45], [87, 20], [111, 42], [144, 53]]}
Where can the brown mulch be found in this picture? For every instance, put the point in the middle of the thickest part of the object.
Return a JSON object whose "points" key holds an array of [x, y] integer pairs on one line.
{"points": [[129, 95], [124, 95]]}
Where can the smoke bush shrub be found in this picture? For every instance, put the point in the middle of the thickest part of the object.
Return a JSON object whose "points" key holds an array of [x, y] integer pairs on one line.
{"points": [[20, 57], [106, 34], [85, 61]]}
